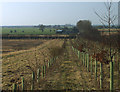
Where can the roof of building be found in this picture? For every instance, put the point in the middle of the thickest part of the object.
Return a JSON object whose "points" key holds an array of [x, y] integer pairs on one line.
{"points": [[59, 30]]}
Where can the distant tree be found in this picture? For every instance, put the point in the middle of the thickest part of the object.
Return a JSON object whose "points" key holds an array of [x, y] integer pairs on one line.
{"points": [[11, 31], [84, 25], [86, 30], [49, 26], [65, 28], [50, 30], [58, 26], [41, 27], [15, 31], [75, 30], [118, 26]]}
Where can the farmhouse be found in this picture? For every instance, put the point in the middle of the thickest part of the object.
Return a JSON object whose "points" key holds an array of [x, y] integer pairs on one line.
{"points": [[59, 31]]}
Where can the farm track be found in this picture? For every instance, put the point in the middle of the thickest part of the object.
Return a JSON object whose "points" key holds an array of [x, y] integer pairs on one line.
{"points": [[15, 66], [68, 74]]}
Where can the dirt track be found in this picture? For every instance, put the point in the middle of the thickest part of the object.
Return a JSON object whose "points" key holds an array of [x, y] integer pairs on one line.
{"points": [[68, 74]]}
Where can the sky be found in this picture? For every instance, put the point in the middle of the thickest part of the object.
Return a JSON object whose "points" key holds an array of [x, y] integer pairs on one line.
{"points": [[52, 13]]}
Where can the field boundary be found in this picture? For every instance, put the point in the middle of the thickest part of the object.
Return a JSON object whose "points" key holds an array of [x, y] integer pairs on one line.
{"points": [[37, 37]]}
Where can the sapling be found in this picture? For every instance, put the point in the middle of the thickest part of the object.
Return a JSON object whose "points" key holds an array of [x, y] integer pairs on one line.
{"points": [[109, 19], [33, 79], [84, 59], [33, 76], [88, 62], [78, 54], [14, 87], [38, 75], [118, 69], [22, 83], [101, 75], [81, 58], [18, 87], [48, 64], [42, 71], [91, 66], [95, 69], [32, 87], [111, 75]]}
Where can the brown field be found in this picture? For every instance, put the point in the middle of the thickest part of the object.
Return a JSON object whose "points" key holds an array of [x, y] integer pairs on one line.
{"points": [[66, 72], [106, 31], [14, 63], [17, 45]]}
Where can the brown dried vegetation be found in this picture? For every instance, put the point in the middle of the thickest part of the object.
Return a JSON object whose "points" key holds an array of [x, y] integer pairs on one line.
{"points": [[102, 57]]}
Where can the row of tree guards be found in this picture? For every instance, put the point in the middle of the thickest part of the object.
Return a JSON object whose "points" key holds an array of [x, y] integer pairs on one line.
{"points": [[41, 73], [87, 62]]}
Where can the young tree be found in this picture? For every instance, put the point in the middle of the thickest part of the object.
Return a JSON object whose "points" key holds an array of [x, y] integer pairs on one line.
{"points": [[41, 27], [109, 19]]}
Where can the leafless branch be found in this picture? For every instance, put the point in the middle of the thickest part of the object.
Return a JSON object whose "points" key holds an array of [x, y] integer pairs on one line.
{"points": [[100, 17]]}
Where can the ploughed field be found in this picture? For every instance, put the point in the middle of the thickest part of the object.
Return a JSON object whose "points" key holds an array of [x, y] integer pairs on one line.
{"points": [[17, 45]]}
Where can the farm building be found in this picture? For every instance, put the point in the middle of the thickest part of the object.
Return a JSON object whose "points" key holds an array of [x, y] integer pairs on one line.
{"points": [[59, 31]]}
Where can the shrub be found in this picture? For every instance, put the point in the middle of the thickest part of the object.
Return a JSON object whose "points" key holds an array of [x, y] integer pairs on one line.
{"points": [[56, 51]]}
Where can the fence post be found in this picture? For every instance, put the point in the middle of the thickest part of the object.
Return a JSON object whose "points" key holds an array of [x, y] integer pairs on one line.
{"points": [[14, 87], [78, 54], [88, 62], [118, 69], [111, 76], [48, 64], [101, 75], [76, 51], [38, 75], [91, 66], [72, 47], [42, 71], [83, 59], [22, 83], [33, 78], [51, 61], [95, 69], [18, 87]]}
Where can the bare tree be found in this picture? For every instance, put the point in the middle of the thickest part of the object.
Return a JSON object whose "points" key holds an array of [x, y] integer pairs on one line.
{"points": [[109, 19]]}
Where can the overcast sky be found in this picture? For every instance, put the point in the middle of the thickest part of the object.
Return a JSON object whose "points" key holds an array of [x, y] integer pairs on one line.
{"points": [[34, 13]]}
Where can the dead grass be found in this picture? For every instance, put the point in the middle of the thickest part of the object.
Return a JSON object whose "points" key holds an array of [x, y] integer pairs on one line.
{"points": [[15, 66], [56, 51], [17, 45]]}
